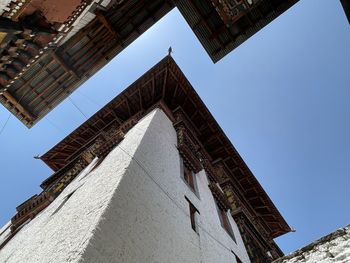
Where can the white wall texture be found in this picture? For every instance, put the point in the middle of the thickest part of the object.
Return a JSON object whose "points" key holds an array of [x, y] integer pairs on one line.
{"points": [[132, 208], [3, 6]]}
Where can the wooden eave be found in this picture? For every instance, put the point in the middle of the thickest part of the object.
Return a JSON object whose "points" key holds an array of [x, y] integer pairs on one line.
{"points": [[166, 83], [58, 71], [218, 38], [346, 6], [47, 80]]}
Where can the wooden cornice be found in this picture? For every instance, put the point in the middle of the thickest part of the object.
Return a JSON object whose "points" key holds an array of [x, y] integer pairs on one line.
{"points": [[200, 138], [219, 196]]}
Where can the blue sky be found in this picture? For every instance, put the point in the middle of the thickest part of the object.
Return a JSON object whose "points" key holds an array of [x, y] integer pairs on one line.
{"points": [[282, 98]]}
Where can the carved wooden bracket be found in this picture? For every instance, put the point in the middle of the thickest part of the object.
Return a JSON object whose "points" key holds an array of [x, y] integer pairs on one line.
{"points": [[219, 196], [186, 142], [188, 150], [29, 209], [102, 145], [231, 10], [58, 186]]}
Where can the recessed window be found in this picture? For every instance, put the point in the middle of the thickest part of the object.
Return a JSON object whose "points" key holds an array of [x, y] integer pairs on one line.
{"points": [[238, 260], [193, 215], [64, 202], [188, 176], [225, 222]]}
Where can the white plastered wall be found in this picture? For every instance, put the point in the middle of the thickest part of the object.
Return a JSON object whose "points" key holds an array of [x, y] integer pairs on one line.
{"points": [[131, 208]]}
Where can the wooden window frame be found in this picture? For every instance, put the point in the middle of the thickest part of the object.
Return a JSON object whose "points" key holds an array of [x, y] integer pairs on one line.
{"points": [[225, 222], [189, 177], [193, 215]]}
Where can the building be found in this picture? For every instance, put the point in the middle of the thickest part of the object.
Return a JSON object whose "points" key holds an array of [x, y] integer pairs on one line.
{"points": [[334, 247], [346, 6], [151, 177], [47, 50]]}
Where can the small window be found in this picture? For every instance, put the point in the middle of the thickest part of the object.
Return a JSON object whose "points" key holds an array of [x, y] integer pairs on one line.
{"points": [[64, 202], [193, 215], [188, 176], [225, 223], [238, 260]]}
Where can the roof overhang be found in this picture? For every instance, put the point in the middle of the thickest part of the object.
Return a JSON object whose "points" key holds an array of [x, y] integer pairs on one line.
{"points": [[166, 83], [35, 80], [346, 6], [47, 74], [223, 25]]}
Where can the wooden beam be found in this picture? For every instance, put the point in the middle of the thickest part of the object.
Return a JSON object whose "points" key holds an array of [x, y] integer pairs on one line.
{"points": [[19, 11], [105, 22], [16, 104], [346, 6], [164, 84]]}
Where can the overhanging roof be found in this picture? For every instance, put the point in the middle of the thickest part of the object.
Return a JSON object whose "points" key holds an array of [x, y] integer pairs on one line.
{"points": [[165, 82], [58, 71], [222, 25], [346, 6], [41, 78]]}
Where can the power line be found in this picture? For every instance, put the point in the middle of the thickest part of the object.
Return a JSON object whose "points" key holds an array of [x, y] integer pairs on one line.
{"points": [[89, 99], [9, 117], [77, 107], [158, 185], [4, 126], [172, 199]]}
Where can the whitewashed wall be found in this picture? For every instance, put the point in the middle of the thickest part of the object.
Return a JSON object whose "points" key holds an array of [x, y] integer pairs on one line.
{"points": [[132, 208], [3, 6]]}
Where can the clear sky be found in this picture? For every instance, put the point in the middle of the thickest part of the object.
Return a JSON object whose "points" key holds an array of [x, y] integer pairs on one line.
{"points": [[282, 98]]}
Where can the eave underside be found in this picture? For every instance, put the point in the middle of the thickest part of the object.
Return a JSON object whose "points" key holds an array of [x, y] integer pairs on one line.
{"points": [[165, 82], [346, 6], [59, 71], [218, 38]]}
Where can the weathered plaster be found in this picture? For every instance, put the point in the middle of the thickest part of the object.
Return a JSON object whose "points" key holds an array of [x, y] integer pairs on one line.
{"points": [[334, 247], [131, 208]]}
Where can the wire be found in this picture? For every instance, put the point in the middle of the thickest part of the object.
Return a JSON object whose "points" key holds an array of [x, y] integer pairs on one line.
{"points": [[77, 107], [10, 114], [171, 198], [160, 187], [4, 126], [84, 147], [89, 99]]}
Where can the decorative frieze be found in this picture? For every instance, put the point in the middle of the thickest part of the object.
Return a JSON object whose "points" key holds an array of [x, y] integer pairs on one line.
{"points": [[186, 142], [219, 196], [29, 209], [58, 186], [231, 10]]}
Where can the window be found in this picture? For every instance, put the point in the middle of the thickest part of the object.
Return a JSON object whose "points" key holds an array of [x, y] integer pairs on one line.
{"points": [[188, 176], [238, 260], [225, 223], [193, 215], [64, 201]]}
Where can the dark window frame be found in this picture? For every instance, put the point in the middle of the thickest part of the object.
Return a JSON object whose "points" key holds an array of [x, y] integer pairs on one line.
{"points": [[225, 222], [238, 260], [193, 215], [189, 177]]}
